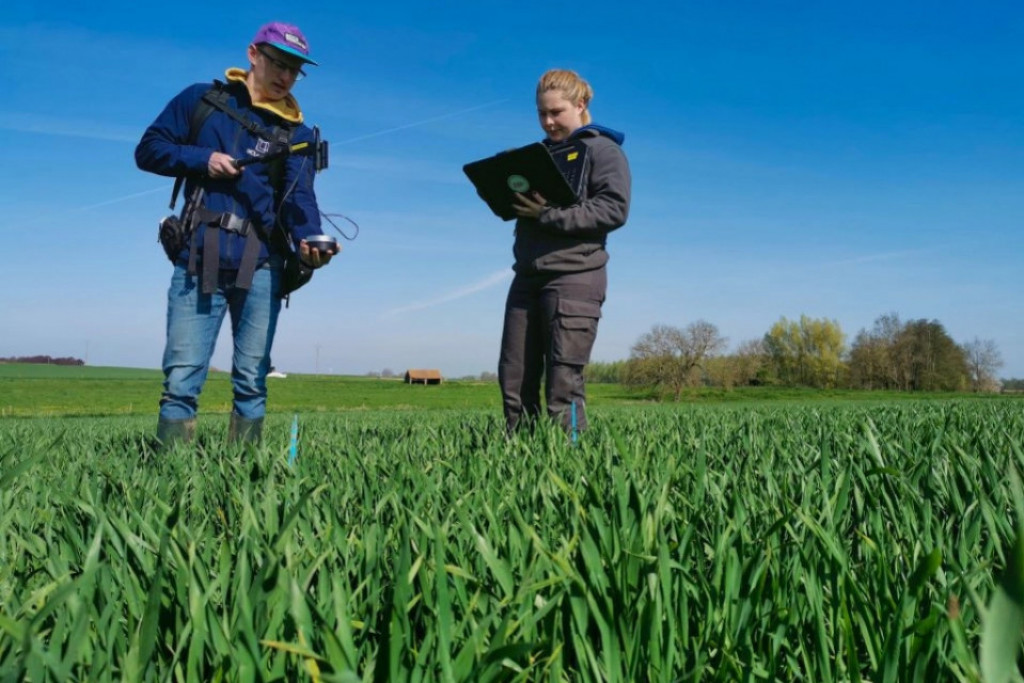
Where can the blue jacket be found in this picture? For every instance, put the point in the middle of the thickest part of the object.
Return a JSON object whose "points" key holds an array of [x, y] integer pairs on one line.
{"points": [[164, 150]]}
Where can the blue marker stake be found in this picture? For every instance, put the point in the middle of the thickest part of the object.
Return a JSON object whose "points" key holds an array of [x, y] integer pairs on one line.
{"points": [[574, 422], [293, 448]]}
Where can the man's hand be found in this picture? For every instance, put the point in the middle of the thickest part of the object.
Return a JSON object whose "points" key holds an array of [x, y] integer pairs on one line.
{"points": [[221, 165], [313, 257], [530, 205]]}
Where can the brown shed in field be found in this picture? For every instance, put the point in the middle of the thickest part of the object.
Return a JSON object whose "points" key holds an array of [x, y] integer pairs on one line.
{"points": [[423, 377]]}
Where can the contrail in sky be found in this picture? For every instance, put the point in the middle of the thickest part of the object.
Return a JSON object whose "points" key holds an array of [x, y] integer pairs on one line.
{"points": [[420, 123], [121, 199], [45, 124], [883, 256], [489, 281], [343, 142], [125, 198]]}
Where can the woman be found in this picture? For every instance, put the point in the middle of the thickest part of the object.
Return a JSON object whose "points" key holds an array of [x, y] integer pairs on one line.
{"points": [[554, 302]]}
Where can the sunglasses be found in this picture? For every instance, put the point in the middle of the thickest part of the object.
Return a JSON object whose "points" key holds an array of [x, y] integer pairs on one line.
{"points": [[281, 65]]}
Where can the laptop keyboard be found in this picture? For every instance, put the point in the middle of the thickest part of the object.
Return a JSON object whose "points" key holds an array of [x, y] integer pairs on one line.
{"points": [[571, 159]]}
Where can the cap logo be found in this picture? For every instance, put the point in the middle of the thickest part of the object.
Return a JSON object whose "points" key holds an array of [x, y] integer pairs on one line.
{"points": [[296, 41]]}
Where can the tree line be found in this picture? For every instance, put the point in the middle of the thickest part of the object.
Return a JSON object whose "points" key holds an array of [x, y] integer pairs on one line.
{"points": [[911, 355], [44, 360]]}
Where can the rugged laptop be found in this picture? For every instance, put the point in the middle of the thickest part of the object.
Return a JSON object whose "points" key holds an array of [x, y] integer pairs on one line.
{"points": [[555, 172]]}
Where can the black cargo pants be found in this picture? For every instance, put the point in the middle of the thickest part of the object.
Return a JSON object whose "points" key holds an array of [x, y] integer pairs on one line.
{"points": [[550, 327]]}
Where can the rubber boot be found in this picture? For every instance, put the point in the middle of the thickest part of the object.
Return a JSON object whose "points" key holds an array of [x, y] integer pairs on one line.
{"points": [[246, 431], [171, 432]]}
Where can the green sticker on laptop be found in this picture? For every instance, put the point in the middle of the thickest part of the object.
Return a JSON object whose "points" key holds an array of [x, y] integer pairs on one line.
{"points": [[518, 183]]}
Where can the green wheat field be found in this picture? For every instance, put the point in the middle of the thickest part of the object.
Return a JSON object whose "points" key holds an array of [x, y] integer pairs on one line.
{"points": [[403, 537]]}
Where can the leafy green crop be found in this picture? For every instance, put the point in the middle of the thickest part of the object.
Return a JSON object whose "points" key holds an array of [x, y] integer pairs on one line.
{"points": [[817, 543]]}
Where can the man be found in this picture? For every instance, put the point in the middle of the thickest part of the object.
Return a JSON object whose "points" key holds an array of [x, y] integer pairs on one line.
{"points": [[243, 224]]}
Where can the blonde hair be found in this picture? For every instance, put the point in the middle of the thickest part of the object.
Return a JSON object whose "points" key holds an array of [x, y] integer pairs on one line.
{"points": [[569, 83]]}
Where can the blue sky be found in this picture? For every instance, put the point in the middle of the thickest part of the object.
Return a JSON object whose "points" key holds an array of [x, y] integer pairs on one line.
{"points": [[838, 160]]}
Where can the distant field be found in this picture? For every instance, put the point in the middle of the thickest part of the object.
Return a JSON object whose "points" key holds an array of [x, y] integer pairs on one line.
{"points": [[41, 390], [40, 371], [28, 390]]}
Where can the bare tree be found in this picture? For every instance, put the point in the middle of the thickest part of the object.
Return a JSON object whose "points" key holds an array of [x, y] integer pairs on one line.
{"points": [[893, 371], [983, 359], [742, 367], [668, 358], [751, 359]]}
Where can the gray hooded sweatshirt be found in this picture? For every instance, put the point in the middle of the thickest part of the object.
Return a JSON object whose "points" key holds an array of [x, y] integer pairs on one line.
{"points": [[572, 239]]}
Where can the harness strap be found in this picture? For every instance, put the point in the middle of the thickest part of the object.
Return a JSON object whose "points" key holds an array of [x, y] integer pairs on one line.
{"points": [[218, 98], [211, 260], [193, 255], [215, 97], [247, 267], [211, 266], [216, 222], [189, 219]]}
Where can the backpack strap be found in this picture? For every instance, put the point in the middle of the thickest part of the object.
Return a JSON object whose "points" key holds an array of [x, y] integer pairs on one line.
{"points": [[200, 113], [214, 98], [217, 98]]}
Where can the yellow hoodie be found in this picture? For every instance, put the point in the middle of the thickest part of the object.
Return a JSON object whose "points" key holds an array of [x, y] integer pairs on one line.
{"points": [[287, 108]]}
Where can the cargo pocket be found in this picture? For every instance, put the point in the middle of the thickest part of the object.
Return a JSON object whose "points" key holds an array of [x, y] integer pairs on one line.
{"points": [[575, 328]]}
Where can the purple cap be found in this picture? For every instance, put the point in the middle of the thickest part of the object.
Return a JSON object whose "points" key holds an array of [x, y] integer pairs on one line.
{"points": [[285, 37]]}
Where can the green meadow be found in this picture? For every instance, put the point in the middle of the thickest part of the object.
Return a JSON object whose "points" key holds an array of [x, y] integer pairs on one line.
{"points": [[401, 536], [54, 391], [27, 390]]}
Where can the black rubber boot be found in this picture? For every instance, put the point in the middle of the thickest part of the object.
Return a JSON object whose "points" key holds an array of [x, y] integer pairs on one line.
{"points": [[171, 432], [245, 431]]}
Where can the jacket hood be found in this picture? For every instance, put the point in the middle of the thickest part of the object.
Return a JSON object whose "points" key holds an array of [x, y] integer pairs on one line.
{"points": [[594, 130], [287, 108]]}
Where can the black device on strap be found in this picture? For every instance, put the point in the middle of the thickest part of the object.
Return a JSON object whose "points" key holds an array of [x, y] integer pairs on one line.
{"points": [[320, 156]]}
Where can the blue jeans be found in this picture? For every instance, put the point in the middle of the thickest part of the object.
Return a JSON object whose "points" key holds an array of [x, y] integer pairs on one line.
{"points": [[193, 323]]}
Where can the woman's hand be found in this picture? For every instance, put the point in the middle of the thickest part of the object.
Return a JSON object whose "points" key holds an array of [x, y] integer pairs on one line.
{"points": [[530, 205]]}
